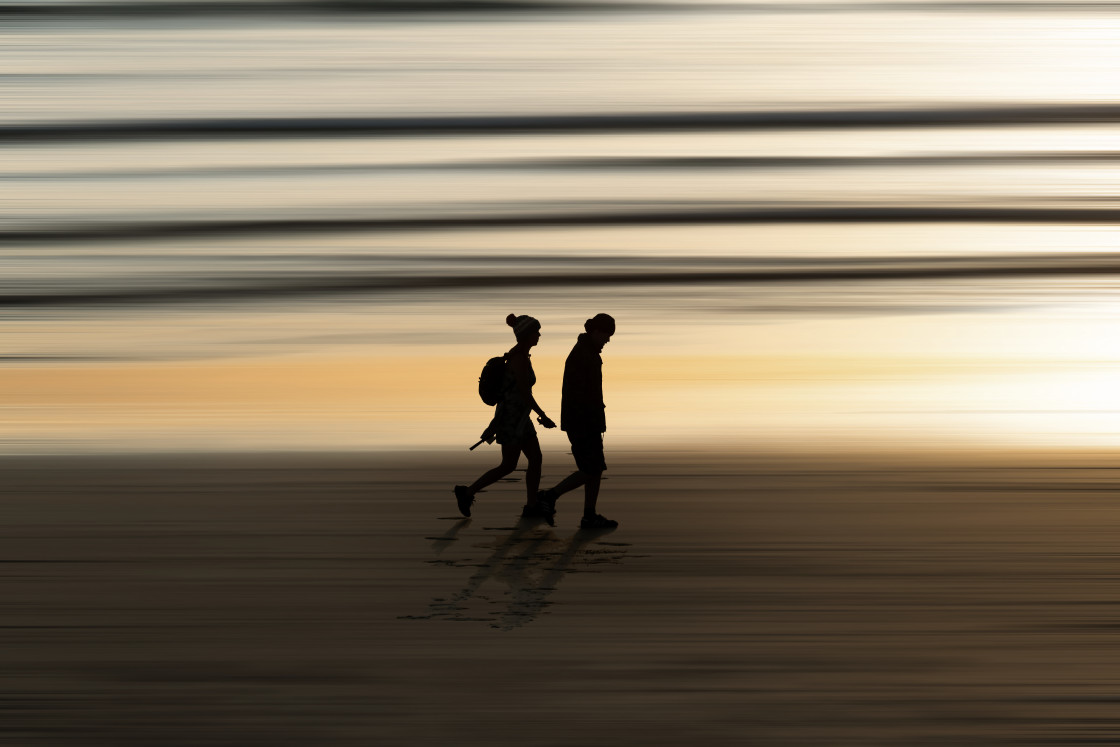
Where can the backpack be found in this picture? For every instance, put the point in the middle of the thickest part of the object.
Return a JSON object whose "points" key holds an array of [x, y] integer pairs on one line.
{"points": [[492, 380]]}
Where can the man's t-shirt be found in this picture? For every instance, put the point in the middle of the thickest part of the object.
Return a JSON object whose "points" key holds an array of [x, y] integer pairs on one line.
{"points": [[581, 404]]}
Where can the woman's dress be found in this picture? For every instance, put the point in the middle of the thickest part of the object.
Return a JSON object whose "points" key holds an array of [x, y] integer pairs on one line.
{"points": [[512, 422]]}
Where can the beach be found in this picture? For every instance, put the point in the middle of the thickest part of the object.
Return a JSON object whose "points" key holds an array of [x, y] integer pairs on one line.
{"points": [[861, 403], [963, 598]]}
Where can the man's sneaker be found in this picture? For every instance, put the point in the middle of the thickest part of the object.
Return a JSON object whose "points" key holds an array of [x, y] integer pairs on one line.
{"points": [[546, 502], [464, 498], [535, 512], [598, 521]]}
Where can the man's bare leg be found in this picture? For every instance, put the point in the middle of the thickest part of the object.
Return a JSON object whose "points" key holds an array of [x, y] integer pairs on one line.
{"points": [[591, 493], [568, 484], [590, 483]]}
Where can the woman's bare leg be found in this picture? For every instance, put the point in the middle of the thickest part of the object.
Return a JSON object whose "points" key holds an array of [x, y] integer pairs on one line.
{"points": [[531, 448], [510, 454]]}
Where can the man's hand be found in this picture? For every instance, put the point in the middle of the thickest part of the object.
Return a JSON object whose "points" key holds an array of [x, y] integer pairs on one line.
{"points": [[546, 421]]}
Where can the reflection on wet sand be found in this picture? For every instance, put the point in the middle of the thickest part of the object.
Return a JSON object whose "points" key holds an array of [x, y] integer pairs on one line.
{"points": [[530, 561]]}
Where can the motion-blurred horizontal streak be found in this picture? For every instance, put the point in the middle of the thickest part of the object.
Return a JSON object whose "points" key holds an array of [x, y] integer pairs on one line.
{"points": [[292, 127], [250, 290], [651, 217], [445, 8], [315, 7], [595, 164]]}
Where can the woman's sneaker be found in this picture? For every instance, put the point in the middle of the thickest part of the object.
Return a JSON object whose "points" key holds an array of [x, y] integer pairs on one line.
{"points": [[598, 521], [464, 498]]}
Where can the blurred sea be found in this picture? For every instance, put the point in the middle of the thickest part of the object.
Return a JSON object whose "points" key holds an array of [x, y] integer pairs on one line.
{"points": [[301, 225]]}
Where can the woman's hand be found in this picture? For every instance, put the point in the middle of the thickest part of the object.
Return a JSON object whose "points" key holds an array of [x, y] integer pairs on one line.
{"points": [[546, 421]]}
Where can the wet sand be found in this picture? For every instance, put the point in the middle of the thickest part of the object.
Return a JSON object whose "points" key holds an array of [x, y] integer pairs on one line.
{"points": [[305, 600]]}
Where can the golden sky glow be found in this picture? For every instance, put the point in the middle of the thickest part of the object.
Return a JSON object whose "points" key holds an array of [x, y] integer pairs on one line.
{"points": [[412, 400]]}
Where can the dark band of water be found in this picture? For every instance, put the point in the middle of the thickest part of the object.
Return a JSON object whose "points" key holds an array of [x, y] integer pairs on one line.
{"points": [[296, 127], [619, 163], [451, 8], [651, 217], [862, 269]]}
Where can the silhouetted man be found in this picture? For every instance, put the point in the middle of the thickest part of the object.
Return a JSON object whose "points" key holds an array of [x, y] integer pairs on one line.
{"points": [[583, 418]]}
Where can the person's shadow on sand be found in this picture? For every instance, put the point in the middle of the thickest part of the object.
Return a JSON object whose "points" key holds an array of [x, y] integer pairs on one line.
{"points": [[530, 561]]}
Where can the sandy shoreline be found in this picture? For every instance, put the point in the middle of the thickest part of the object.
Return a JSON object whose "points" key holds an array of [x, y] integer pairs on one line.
{"points": [[338, 599]]}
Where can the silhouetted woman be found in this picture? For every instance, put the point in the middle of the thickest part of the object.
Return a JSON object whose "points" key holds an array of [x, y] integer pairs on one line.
{"points": [[511, 425]]}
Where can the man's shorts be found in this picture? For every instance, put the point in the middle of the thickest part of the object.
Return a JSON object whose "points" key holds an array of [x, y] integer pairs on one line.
{"points": [[587, 448]]}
